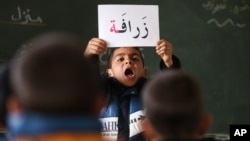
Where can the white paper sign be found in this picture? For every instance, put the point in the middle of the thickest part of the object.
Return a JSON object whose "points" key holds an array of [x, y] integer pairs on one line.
{"points": [[128, 25]]}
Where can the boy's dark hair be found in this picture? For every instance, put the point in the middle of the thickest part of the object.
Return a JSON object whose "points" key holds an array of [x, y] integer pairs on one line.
{"points": [[52, 76], [173, 103], [5, 91], [110, 57]]}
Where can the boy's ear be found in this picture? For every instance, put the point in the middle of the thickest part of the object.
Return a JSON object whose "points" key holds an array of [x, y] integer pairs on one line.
{"points": [[109, 72], [148, 129], [205, 124]]}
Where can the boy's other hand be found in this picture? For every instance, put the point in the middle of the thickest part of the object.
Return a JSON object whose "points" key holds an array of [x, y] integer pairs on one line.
{"points": [[165, 50], [96, 46]]}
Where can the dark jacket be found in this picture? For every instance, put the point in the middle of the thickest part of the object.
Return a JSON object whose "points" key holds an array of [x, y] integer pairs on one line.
{"points": [[123, 113], [3, 136]]}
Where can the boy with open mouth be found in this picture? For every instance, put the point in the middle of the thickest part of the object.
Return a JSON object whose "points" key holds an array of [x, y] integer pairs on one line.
{"points": [[124, 80]]}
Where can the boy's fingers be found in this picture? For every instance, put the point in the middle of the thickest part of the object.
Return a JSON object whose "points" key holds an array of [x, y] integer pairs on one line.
{"points": [[97, 41], [95, 51], [160, 41], [159, 52], [97, 46], [163, 51], [163, 44], [163, 47], [159, 47]]}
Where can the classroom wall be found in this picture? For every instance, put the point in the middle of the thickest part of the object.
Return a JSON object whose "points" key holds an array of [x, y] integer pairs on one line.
{"points": [[211, 38]]}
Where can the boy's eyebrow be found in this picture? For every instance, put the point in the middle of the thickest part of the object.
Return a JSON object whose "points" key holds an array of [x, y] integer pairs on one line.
{"points": [[120, 54], [137, 54], [132, 54]]}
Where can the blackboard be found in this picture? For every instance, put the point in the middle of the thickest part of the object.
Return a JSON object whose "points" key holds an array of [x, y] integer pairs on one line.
{"points": [[211, 37]]}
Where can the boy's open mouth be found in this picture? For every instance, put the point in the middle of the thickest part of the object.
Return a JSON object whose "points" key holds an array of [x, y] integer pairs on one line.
{"points": [[129, 73]]}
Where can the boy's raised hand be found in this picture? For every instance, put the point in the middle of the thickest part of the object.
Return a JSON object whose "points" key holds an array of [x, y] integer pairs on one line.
{"points": [[165, 49], [96, 46]]}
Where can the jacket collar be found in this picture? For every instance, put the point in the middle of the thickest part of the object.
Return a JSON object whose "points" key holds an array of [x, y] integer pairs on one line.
{"points": [[120, 86]]}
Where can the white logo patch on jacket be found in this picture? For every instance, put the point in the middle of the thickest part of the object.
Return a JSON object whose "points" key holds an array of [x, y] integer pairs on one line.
{"points": [[110, 128], [135, 123]]}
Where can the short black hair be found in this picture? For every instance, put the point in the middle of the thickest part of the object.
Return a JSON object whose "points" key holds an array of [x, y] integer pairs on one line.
{"points": [[173, 103], [52, 76], [110, 57]]}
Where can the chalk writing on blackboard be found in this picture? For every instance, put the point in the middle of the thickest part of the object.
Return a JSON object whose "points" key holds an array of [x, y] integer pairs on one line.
{"points": [[228, 8], [214, 7], [226, 22], [23, 17]]}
